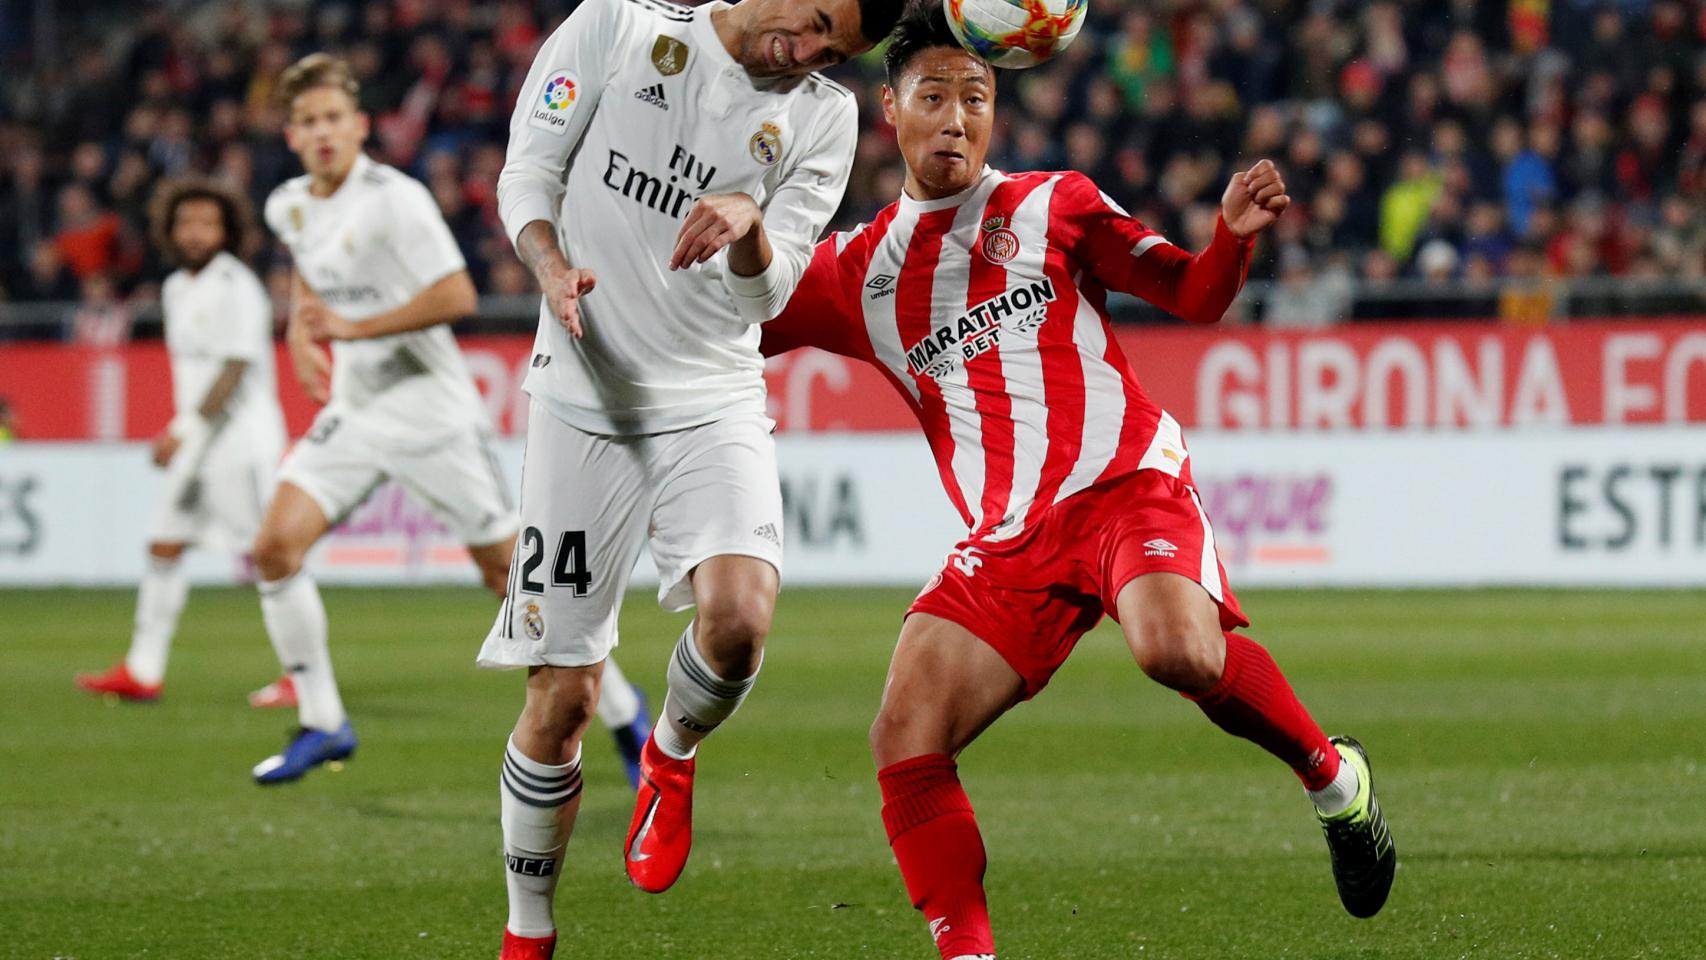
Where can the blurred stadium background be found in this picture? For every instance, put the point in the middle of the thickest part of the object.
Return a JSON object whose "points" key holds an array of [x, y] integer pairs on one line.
{"points": [[1472, 355]]}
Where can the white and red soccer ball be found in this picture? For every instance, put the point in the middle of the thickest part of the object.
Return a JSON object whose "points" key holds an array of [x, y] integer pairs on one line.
{"points": [[1015, 33]]}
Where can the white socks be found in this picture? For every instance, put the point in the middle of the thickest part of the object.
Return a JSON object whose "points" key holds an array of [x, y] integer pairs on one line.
{"points": [[296, 623], [698, 700], [533, 796], [159, 601], [1336, 797], [618, 704]]}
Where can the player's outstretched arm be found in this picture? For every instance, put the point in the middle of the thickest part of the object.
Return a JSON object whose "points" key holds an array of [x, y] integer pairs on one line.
{"points": [[1128, 257], [450, 298], [313, 365], [562, 285], [209, 415]]}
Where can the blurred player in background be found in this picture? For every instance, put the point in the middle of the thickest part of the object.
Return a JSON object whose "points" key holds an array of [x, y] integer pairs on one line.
{"points": [[379, 275], [227, 432], [982, 297], [683, 161]]}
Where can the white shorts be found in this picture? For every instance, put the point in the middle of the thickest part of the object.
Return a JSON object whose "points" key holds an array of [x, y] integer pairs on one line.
{"points": [[217, 501], [588, 504], [339, 463]]}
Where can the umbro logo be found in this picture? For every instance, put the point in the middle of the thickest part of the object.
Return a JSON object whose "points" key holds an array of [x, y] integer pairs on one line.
{"points": [[881, 285], [1159, 548], [652, 95]]}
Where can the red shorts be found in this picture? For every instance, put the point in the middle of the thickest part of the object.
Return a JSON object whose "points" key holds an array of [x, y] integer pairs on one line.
{"points": [[1031, 597]]}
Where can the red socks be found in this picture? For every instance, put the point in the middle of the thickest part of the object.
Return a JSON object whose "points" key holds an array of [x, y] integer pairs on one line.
{"points": [[1254, 701], [939, 849]]}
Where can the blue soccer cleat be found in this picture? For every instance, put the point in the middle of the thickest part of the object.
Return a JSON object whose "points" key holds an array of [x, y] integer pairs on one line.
{"points": [[631, 738], [307, 750]]}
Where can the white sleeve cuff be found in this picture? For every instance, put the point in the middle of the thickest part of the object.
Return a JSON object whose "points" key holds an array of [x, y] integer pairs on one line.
{"points": [[524, 208], [756, 297]]}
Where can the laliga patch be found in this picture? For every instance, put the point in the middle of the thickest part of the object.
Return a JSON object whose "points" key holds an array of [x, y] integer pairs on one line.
{"points": [[556, 101]]}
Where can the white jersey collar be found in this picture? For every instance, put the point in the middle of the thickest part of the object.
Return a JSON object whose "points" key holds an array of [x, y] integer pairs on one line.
{"points": [[362, 164]]}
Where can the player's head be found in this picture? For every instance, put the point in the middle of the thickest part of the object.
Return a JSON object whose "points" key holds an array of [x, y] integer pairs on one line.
{"points": [[941, 101], [324, 124], [791, 38], [194, 218]]}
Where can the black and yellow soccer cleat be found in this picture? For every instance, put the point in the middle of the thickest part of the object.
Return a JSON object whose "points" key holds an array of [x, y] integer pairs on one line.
{"points": [[1358, 841]]}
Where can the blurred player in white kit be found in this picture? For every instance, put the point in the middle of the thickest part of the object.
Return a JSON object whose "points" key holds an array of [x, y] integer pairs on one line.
{"points": [[379, 275], [681, 161], [226, 436]]}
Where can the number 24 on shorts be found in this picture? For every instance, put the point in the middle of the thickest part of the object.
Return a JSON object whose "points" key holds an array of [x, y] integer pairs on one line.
{"points": [[569, 568]]}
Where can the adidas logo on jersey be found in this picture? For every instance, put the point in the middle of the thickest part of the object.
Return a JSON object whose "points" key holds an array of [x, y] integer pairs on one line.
{"points": [[768, 532], [652, 95], [1159, 548]]}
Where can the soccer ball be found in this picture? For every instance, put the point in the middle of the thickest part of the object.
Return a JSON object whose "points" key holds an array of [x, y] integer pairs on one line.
{"points": [[1015, 33]]}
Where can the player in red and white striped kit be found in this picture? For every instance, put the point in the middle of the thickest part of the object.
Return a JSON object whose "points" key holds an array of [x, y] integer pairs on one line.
{"points": [[981, 296]]}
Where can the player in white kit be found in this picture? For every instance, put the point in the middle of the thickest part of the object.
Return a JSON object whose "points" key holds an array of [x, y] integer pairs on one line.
{"points": [[227, 433], [682, 162], [379, 275]]}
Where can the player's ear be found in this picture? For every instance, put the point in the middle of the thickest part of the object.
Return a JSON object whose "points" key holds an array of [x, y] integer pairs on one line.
{"points": [[888, 104], [364, 123]]}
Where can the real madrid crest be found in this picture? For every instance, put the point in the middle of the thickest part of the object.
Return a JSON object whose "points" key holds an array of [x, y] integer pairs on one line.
{"points": [[1000, 245], [766, 145], [296, 218], [533, 622], [669, 55]]}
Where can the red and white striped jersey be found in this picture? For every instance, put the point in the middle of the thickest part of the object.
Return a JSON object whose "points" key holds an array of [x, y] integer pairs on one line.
{"points": [[987, 311]]}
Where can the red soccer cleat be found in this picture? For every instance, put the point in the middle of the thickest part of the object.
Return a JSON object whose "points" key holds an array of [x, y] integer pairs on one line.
{"points": [[278, 694], [527, 948], [121, 684], [661, 834]]}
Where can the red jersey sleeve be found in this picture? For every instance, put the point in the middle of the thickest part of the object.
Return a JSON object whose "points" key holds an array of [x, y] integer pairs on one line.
{"points": [[822, 311], [1126, 256]]}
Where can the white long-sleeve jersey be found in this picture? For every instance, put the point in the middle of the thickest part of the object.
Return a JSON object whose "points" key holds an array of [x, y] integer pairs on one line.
{"points": [[631, 112], [368, 249], [218, 313]]}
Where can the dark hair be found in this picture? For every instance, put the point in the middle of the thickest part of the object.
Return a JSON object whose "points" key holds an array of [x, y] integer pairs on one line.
{"points": [[925, 28], [317, 70], [233, 213], [878, 17]]}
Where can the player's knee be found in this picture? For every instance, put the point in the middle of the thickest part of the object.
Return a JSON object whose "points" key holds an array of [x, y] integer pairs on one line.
{"points": [[169, 552], [496, 578], [1182, 656], [899, 733], [276, 557], [560, 705], [732, 632]]}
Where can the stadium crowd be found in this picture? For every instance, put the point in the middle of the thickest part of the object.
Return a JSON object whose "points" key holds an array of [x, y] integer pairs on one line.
{"points": [[1495, 146]]}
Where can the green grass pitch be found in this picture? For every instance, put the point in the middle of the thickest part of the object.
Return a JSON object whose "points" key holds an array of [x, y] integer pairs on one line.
{"points": [[1540, 755]]}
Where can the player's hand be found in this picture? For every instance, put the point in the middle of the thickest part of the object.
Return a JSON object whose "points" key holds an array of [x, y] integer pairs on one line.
{"points": [[563, 289], [321, 323], [1254, 199], [313, 365], [165, 447], [714, 222]]}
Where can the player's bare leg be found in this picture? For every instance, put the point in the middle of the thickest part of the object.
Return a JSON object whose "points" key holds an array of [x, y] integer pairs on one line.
{"points": [[540, 789], [944, 688], [1173, 629], [621, 705], [296, 624], [710, 673], [159, 601]]}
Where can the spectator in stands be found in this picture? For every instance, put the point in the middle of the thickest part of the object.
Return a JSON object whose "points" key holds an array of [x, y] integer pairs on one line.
{"points": [[8, 422], [1400, 123]]}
